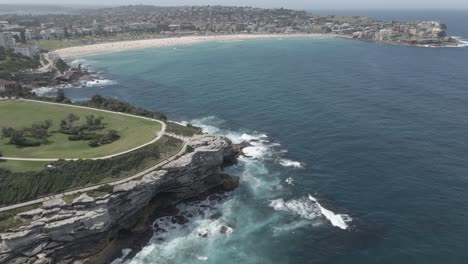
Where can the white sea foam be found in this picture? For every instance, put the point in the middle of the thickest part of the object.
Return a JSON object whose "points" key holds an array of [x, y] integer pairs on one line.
{"points": [[338, 220], [290, 163], [84, 62], [310, 209], [301, 207], [44, 90], [202, 258], [260, 146], [462, 43], [189, 241], [256, 150], [290, 181], [41, 91], [211, 125], [97, 82]]}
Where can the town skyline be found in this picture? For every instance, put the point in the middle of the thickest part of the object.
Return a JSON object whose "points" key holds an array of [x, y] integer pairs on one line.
{"points": [[294, 4]]}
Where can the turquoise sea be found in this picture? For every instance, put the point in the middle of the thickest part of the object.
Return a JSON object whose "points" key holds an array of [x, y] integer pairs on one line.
{"points": [[359, 150]]}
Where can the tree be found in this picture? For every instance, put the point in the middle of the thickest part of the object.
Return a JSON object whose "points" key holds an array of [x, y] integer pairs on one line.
{"points": [[39, 133], [60, 96], [17, 137], [6, 132], [93, 122], [3, 53], [72, 118]]}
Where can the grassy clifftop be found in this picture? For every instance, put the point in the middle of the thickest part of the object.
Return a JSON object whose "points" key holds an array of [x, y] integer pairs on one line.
{"points": [[133, 131]]}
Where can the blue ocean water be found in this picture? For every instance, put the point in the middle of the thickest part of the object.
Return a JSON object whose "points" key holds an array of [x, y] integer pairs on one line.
{"points": [[376, 133]]}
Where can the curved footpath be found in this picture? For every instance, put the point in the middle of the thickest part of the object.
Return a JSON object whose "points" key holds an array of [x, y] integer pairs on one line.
{"points": [[113, 183], [94, 187], [158, 135]]}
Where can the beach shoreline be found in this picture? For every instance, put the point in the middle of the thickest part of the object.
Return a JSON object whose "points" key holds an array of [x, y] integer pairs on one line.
{"points": [[112, 47]]}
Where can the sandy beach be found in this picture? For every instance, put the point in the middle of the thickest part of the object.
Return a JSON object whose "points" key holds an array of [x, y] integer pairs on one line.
{"points": [[112, 47]]}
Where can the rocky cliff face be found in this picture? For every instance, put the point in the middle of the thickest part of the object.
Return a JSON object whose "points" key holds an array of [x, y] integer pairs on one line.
{"points": [[91, 230], [422, 33]]}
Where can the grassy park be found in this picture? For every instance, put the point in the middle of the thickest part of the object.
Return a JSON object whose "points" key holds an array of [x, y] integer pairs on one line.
{"points": [[133, 131]]}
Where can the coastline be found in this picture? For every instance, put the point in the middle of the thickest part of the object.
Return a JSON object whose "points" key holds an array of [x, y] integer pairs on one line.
{"points": [[112, 47]]}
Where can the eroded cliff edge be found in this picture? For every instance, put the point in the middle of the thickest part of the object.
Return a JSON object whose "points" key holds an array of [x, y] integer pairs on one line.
{"points": [[89, 230]]}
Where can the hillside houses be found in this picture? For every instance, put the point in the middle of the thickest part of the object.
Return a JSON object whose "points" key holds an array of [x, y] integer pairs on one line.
{"points": [[136, 19]]}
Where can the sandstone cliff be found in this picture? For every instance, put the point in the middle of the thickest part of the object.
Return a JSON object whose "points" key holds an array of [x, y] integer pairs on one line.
{"points": [[91, 230]]}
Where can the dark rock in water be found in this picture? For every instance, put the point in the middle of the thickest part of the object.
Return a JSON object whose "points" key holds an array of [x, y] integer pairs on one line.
{"points": [[214, 197], [224, 230], [231, 154], [189, 215], [216, 216], [230, 182], [203, 235], [160, 230], [179, 219]]}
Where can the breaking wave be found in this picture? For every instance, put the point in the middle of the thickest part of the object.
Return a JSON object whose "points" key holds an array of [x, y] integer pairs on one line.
{"points": [[290, 163], [302, 207], [98, 82], [197, 225], [49, 91], [338, 220], [309, 208], [205, 231], [463, 42]]}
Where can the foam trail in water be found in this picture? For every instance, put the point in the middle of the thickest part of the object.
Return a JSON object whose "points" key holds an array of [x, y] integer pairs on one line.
{"points": [[290, 163], [338, 220], [310, 209], [97, 82], [211, 125], [44, 91], [301, 207], [463, 42]]}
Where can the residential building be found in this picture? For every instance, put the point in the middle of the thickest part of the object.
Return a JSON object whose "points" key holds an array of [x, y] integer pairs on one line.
{"points": [[4, 85], [26, 50], [7, 40]]}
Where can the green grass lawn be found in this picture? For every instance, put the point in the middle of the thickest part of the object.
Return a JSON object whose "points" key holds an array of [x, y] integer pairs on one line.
{"points": [[67, 175], [51, 45], [133, 131]]}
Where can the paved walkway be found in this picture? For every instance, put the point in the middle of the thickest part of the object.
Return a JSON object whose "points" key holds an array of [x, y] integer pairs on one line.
{"points": [[46, 67], [94, 187], [113, 183], [158, 135]]}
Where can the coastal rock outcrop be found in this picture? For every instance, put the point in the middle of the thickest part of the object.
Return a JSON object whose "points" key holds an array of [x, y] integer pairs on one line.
{"points": [[92, 230]]}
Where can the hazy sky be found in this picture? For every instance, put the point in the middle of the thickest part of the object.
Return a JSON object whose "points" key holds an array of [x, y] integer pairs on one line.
{"points": [[301, 4]]}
